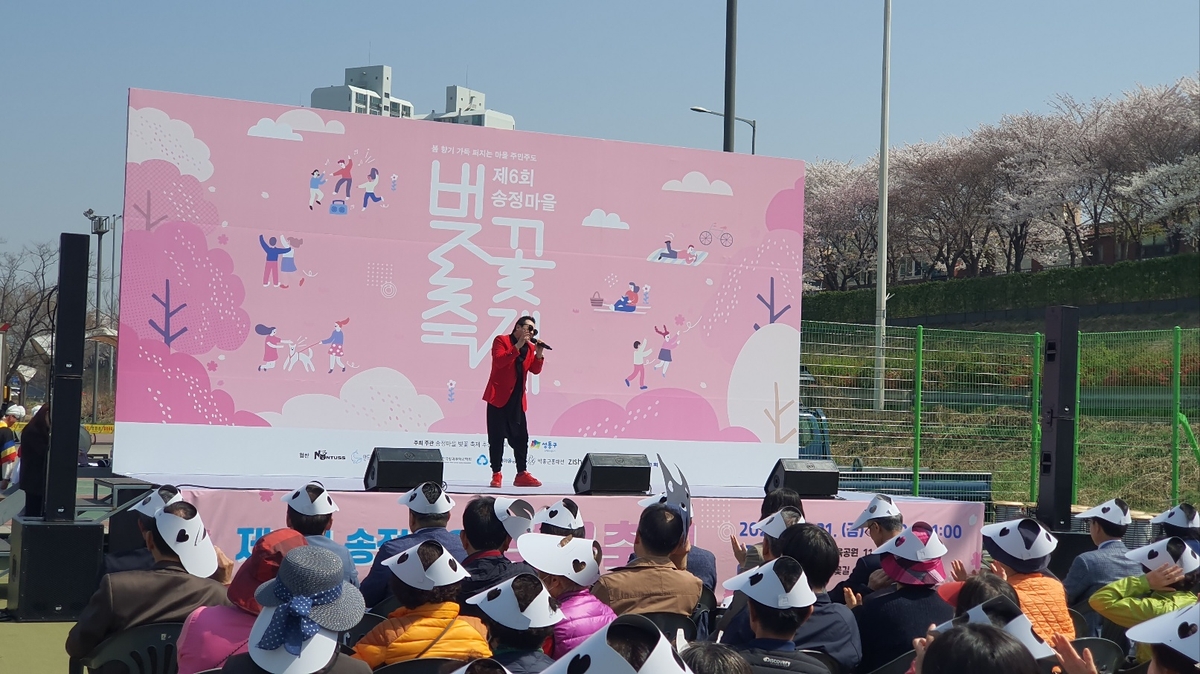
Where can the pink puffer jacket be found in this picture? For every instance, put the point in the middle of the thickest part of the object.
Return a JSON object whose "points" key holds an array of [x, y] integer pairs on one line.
{"points": [[585, 615]]}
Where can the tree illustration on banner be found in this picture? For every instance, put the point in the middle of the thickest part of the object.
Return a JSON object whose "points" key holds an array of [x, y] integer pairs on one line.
{"points": [[165, 329], [770, 305], [157, 193], [763, 389], [182, 293]]}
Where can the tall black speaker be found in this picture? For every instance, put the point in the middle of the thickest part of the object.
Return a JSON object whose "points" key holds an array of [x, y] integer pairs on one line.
{"points": [[55, 567], [66, 380], [1060, 368], [396, 469], [613, 474], [123, 531]]}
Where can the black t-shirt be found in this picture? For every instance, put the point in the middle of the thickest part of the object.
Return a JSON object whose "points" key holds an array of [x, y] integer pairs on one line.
{"points": [[518, 394]]}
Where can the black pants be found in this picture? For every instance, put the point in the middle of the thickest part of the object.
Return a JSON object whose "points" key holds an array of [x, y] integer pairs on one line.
{"points": [[507, 423]]}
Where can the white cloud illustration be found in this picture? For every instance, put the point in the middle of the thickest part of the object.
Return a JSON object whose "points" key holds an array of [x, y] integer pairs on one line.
{"points": [[376, 399], [696, 181], [269, 128], [286, 125], [154, 135], [598, 218]]}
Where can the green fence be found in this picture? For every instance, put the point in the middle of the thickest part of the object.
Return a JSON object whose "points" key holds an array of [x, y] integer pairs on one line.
{"points": [[966, 403]]}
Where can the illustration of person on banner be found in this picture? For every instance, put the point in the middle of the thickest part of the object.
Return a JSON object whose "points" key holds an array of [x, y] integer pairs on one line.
{"points": [[335, 342], [512, 361]]}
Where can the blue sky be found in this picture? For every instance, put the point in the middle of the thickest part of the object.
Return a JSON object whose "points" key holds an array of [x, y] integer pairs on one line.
{"points": [[807, 71]]}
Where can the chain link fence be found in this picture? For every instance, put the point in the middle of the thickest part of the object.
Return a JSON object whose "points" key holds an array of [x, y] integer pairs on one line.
{"points": [[962, 405], [1132, 387]]}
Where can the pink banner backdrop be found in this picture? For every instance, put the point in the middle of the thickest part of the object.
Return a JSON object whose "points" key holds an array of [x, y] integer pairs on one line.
{"points": [[236, 518], [303, 285]]}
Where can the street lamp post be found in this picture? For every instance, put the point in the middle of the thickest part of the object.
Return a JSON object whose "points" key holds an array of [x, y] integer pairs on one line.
{"points": [[753, 124], [100, 227]]}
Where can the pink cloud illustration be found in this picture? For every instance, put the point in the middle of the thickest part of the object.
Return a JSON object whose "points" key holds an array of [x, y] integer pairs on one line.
{"points": [[665, 414], [786, 210], [161, 386]]}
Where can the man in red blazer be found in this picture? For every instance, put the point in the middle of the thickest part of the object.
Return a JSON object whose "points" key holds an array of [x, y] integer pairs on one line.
{"points": [[513, 357]]}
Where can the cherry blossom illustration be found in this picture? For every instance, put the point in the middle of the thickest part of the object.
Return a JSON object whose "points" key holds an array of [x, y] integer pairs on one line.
{"points": [[156, 193]]}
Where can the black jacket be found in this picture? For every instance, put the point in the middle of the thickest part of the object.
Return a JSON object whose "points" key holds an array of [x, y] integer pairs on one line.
{"points": [[889, 621], [857, 580], [523, 662], [487, 569], [764, 661], [35, 447]]}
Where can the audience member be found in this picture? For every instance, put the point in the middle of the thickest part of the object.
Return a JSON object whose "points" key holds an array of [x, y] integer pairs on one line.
{"points": [[35, 449], [304, 611], [831, 628], [520, 616], [310, 511], [1094, 569], [490, 525], [1174, 640], [1172, 571], [780, 600], [9, 441], [568, 566], [749, 557], [889, 620], [483, 666], [428, 514], [141, 559], [974, 648], [561, 519], [630, 644], [177, 584], [711, 658], [211, 634], [883, 522], [1183, 522], [652, 583], [981, 588], [695, 560], [1021, 550], [426, 581]]}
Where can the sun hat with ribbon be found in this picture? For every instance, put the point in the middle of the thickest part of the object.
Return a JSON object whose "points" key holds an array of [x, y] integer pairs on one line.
{"points": [[914, 557], [1023, 545], [262, 565], [304, 608], [564, 514]]}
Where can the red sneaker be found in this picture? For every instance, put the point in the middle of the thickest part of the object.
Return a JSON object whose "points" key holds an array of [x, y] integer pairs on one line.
{"points": [[497, 481], [524, 479]]}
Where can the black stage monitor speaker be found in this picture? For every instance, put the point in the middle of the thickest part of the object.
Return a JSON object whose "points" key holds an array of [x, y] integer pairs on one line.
{"points": [[397, 469], [613, 474], [810, 478], [55, 567], [1056, 472], [1071, 544], [123, 532]]}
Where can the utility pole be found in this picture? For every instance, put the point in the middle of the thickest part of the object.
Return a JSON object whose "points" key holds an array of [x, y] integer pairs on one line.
{"points": [[730, 69], [881, 250]]}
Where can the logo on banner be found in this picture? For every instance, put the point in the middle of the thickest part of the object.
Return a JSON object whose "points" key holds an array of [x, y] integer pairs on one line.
{"points": [[482, 460], [322, 455], [547, 446]]}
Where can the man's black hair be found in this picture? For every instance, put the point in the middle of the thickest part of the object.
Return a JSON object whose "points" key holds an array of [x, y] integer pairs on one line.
{"points": [[632, 643], [895, 523], [779, 499], [526, 587], [782, 620], [181, 509], [483, 529], [981, 587], [526, 318], [814, 548], [660, 529], [1111, 529], [309, 525]]}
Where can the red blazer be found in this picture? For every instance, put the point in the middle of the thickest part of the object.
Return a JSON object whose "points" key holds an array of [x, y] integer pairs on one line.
{"points": [[504, 376]]}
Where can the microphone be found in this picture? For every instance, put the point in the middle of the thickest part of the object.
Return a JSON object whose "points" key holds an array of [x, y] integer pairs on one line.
{"points": [[538, 342]]}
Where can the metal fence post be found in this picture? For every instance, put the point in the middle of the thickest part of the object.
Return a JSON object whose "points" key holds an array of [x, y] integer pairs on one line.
{"points": [[1035, 404], [1078, 413], [918, 378], [1176, 367]]}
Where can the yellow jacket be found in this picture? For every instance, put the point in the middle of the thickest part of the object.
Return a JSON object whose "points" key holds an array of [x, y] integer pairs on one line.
{"points": [[408, 632]]}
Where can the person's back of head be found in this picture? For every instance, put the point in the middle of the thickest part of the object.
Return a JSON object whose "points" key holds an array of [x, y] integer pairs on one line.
{"points": [[1188, 512], [525, 588], [309, 525], [432, 492], [981, 587], [706, 657], [145, 520], [633, 644], [816, 551], [411, 597], [660, 530], [770, 622], [778, 499], [977, 649], [791, 517], [181, 509], [482, 529], [1167, 660]]}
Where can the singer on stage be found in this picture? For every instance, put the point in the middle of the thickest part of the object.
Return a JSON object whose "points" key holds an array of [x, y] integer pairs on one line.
{"points": [[512, 359]]}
